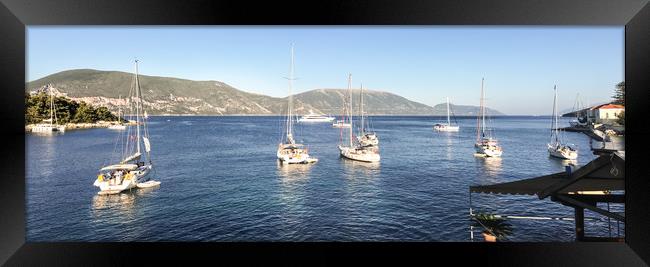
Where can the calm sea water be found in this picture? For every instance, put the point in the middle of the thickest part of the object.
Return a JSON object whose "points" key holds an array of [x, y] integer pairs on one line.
{"points": [[221, 182]]}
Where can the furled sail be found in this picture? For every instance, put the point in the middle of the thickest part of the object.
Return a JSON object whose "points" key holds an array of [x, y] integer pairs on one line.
{"points": [[147, 145]]}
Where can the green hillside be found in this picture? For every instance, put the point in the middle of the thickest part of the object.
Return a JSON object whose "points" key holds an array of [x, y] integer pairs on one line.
{"points": [[165, 95]]}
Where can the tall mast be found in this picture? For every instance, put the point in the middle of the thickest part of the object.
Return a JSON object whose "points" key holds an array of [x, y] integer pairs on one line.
{"points": [[137, 107], [479, 126], [554, 126], [448, 122], [350, 110], [482, 108], [290, 105], [51, 105], [361, 109]]}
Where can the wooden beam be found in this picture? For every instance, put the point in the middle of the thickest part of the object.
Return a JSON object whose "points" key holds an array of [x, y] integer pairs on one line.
{"points": [[579, 173], [579, 204]]}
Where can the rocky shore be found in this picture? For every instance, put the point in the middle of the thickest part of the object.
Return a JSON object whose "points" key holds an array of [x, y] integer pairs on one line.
{"points": [[79, 126]]}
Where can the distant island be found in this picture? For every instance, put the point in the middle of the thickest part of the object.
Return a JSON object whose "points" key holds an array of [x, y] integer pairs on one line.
{"points": [[173, 96]]}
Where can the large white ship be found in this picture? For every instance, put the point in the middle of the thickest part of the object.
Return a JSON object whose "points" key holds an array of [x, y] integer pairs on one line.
{"points": [[313, 117]]}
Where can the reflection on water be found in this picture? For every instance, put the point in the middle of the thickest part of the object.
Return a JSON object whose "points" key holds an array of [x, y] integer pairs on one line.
{"points": [[491, 166], [48, 154], [293, 172], [116, 206], [353, 168]]}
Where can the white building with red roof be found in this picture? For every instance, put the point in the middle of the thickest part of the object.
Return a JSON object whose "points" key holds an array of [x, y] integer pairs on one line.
{"points": [[605, 113]]}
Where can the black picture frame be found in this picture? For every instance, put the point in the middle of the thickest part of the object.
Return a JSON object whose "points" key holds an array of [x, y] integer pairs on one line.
{"points": [[16, 14]]}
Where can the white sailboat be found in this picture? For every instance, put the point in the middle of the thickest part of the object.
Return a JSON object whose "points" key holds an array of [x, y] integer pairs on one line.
{"points": [[354, 150], [289, 151], [365, 138], [118, 125], [580, 114], [446, 127], [52, 124], [342, 122], [556, 148], [133, 171], [485, 144]]}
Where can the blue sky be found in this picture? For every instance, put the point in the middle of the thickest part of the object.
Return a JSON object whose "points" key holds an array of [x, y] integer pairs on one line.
{"points": [[424, 64]]}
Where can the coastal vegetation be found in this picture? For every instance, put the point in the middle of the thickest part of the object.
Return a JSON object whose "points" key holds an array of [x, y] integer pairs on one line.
{"points": [[619, 98], [37, 108]]}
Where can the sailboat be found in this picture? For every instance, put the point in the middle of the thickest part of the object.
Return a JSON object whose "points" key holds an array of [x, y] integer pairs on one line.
{"points": [[342, 122], [354, 150], [289, 151], [52, 124], [555, 147], [485, 144], [446, 127], [365, 138], [133, 170], [580, 113], [118, 124]]}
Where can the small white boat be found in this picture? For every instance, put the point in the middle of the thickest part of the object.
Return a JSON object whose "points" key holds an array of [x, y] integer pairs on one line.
{"points": [[365, 139], [118, 124], [49, 125], [132, 170], [313, 117], [556, 148], [340, 124], [148, 184], [446, 127], [289, 151], [46, 127], [485, 145]]}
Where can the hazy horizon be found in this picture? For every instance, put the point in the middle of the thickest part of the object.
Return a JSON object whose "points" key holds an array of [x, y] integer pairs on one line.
{"points": [[422, 64]]}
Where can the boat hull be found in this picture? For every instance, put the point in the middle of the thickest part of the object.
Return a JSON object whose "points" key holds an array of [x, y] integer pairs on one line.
{"points": [[48, 128], [129, 181], [487, 150], [359, 154], [316, 120], [117, 127], [286, 156], [562, 152], [446, 128]]}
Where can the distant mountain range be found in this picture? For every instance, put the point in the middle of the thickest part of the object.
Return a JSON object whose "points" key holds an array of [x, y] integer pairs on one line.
{"points": [[172, 96]]}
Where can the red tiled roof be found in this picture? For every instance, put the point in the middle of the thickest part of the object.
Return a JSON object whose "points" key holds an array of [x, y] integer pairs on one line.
{"points": [[612, 106], [608, 106]]}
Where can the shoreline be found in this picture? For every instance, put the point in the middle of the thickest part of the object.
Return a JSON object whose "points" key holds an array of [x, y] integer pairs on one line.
{"points": [[79, 126]]}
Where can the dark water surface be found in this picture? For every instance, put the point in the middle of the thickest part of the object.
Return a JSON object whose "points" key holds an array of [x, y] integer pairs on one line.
{"points": [[221, 181]]}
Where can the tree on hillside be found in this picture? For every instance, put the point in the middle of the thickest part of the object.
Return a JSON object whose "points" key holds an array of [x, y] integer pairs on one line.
{"points": [[37, 108], [619, 93]]}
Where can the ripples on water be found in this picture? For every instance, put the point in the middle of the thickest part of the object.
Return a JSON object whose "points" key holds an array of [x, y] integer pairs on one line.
{"points": [[221, 181]]}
